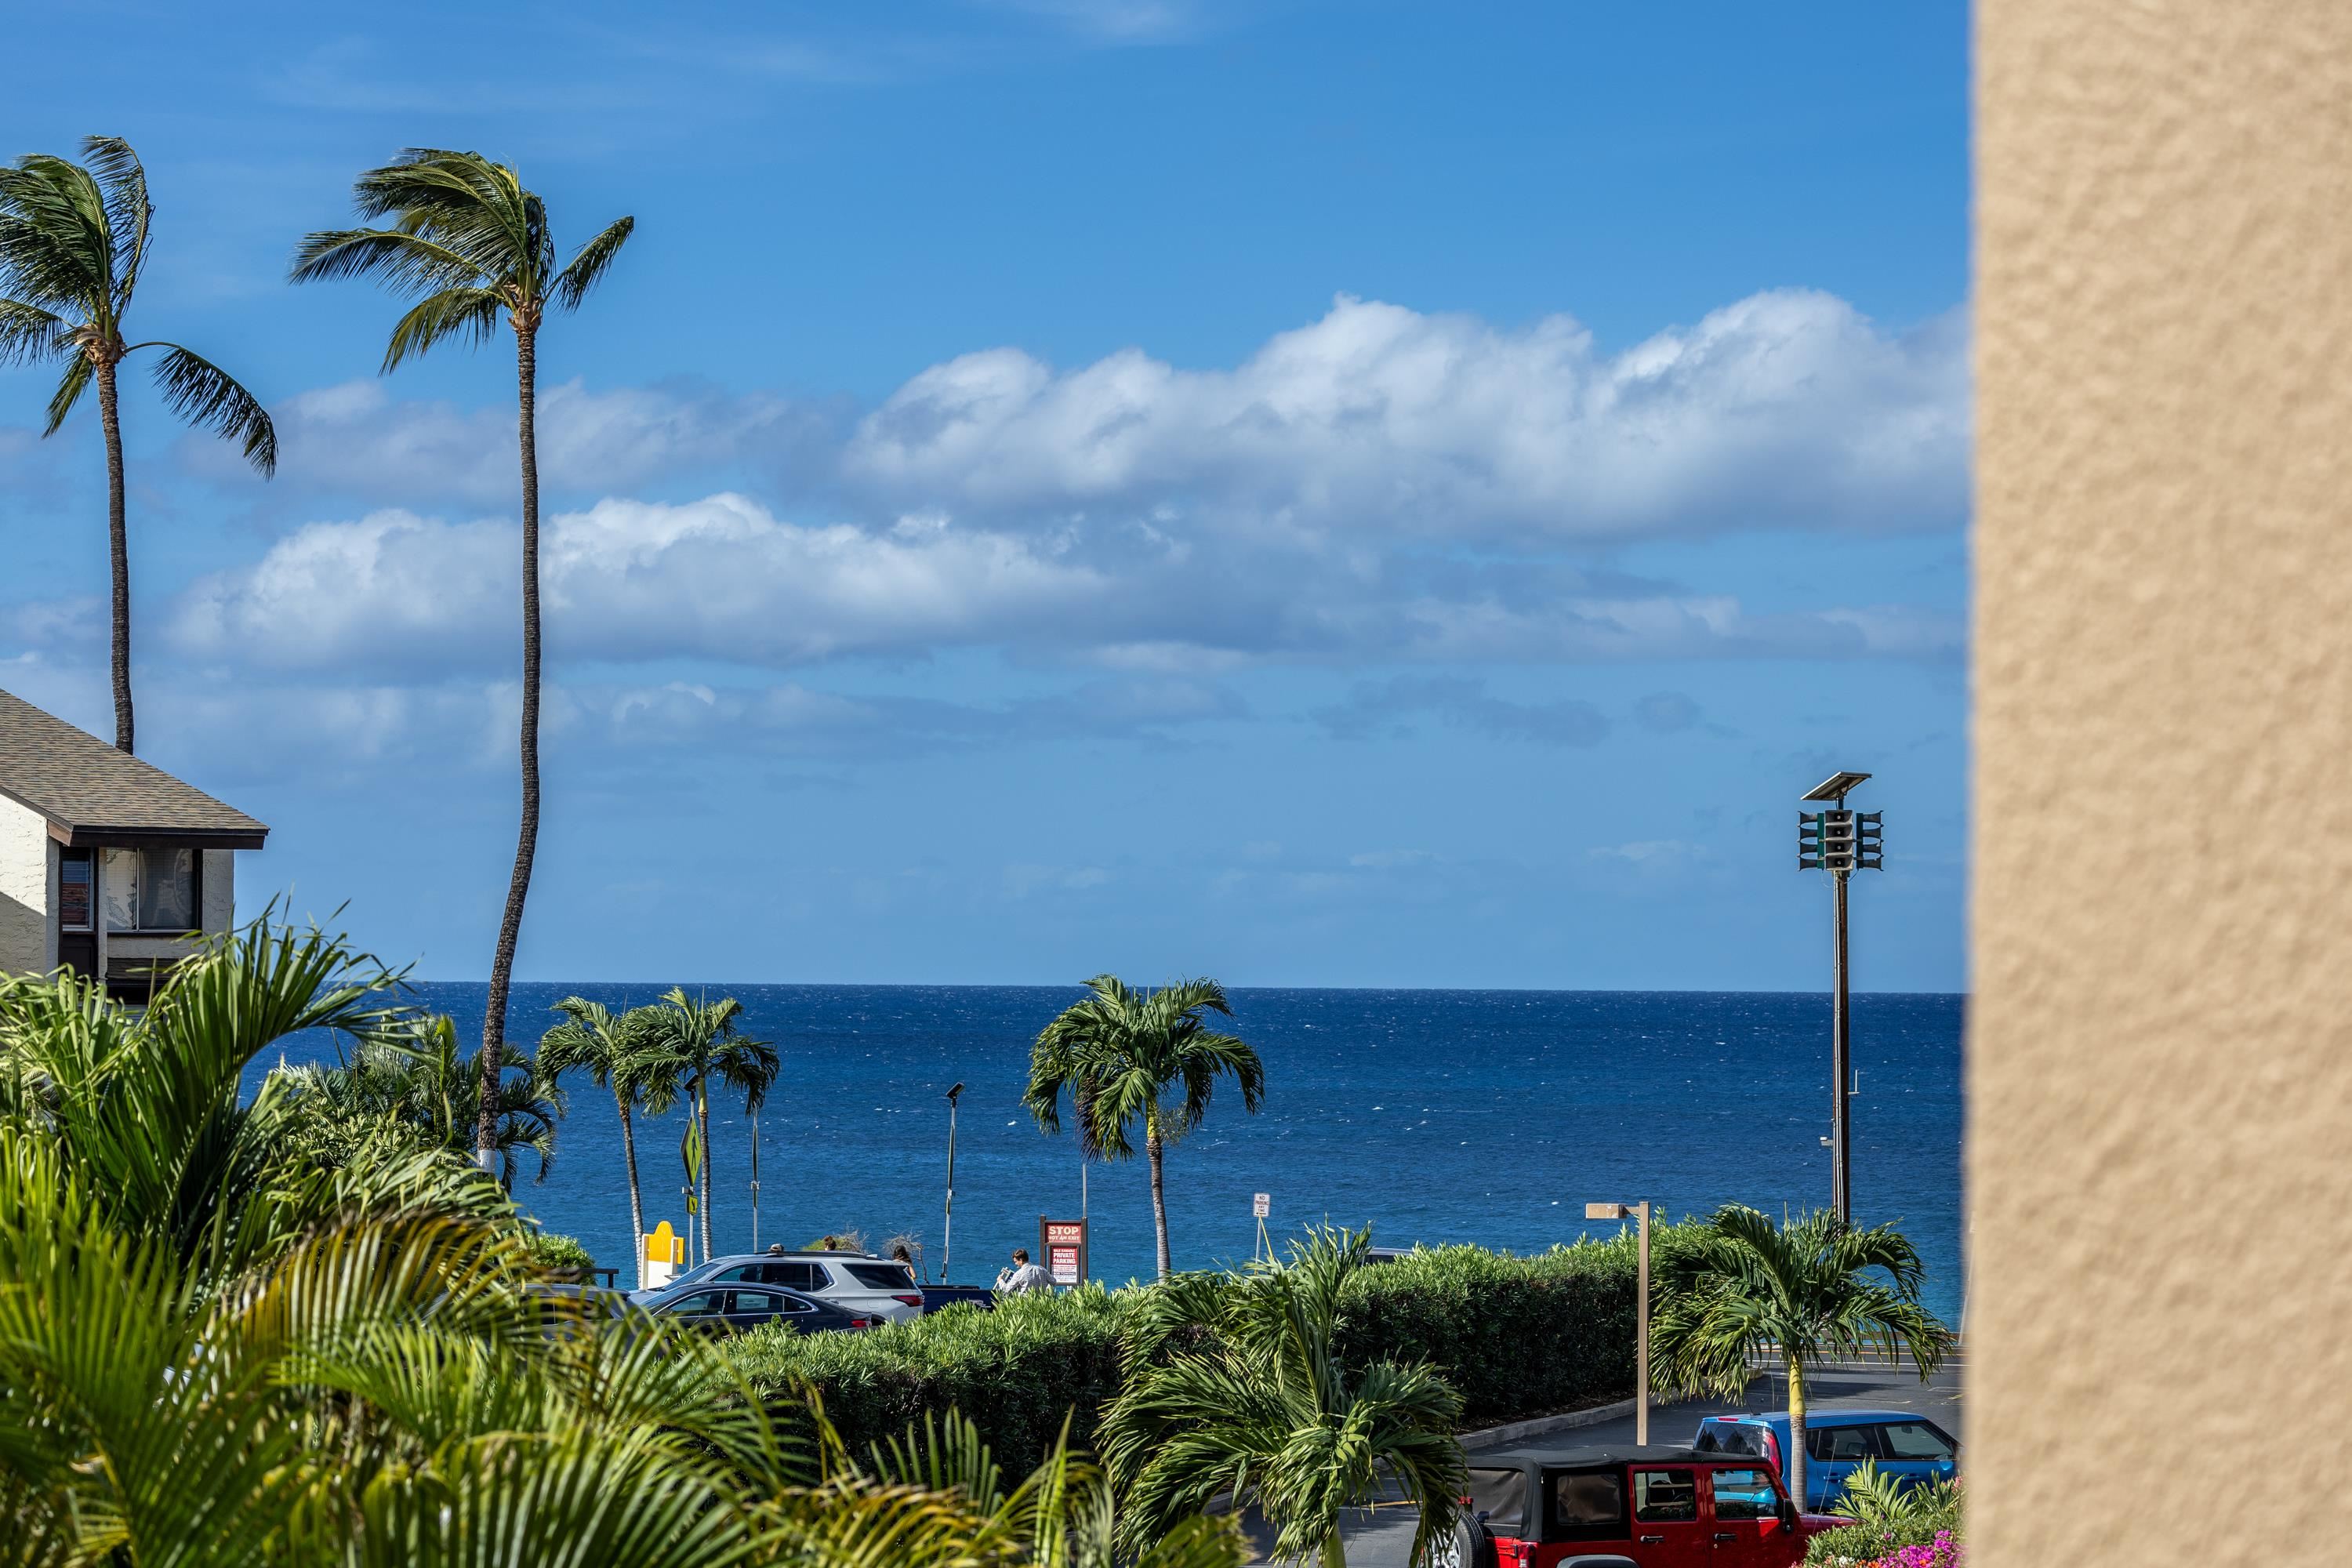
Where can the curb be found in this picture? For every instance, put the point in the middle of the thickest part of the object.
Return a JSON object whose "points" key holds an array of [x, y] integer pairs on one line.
{"points": [[1517, 1431]]}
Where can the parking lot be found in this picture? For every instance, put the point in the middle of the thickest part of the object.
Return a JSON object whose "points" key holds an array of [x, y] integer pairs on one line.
{"points": [[1383, 1537]]}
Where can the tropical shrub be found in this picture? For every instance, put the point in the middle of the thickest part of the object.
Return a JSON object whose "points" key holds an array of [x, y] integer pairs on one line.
{"points": [[560, 1252], [1895, 1526]]}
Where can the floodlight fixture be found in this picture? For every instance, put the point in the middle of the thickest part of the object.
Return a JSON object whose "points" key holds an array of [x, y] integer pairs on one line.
{"points": [[1640, 1214], [1840, 842]]}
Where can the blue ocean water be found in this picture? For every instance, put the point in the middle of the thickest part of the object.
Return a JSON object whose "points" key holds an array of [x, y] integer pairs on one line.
{"points": [[1477, 1116]]}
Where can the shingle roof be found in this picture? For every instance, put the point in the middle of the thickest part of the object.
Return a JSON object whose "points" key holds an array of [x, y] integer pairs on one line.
{"points": [[92, 793]]}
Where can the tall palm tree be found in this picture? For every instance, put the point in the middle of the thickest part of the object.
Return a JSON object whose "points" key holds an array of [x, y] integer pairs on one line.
{"points": [[1739, 1288], [701, 1041], [73, 241], [1122, 1054], [468, 242], [620, 1056], [1234, 1385]]}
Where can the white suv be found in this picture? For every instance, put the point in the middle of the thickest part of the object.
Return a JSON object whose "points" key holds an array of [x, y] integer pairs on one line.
{"points": [[858, 1281]]}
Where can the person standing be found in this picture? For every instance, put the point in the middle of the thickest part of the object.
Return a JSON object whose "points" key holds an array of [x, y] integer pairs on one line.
{"points": [[1024, 1277]]}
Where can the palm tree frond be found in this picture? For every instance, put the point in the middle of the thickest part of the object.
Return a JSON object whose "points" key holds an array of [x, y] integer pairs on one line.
{"points": [[471, 314], [573, 284], [209, 398], [70, 386]]}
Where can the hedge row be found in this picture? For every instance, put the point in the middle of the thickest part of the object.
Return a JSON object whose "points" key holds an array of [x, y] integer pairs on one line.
{"points": [[1518, 1336]]}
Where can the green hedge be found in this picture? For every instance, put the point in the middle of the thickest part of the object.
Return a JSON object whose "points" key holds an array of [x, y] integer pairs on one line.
{"points": [[1016, 1371], [1518, 1336]]}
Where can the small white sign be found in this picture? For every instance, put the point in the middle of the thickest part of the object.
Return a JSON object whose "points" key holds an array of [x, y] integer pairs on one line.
{"points": [[1261, 1204]]}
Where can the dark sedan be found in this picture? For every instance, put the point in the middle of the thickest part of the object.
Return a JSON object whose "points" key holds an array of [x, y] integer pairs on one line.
{"points": [[730, 1309]]}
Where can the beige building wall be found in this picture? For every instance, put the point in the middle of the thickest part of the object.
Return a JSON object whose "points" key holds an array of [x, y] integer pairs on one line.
{"points": [[2160, 1045], [28, 872]]}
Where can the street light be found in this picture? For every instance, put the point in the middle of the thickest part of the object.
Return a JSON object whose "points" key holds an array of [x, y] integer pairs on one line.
{"points": [[1640, 1212], [1840, 842], [947, 1230]]}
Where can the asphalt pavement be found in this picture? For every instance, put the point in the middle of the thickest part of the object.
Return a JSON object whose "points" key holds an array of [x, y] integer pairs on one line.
{"points": [[1381, 1537]]}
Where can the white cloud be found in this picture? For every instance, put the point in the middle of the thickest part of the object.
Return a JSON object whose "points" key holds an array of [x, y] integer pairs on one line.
{"points": [[355, 438], [1787, 408], [719, 578]]}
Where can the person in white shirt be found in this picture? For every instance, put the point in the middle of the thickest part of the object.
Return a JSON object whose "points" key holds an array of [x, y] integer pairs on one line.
{"points": [[1023, 1276]]}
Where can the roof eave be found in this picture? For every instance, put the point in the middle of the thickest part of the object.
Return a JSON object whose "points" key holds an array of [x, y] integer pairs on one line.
{"points": [[85, 836]]}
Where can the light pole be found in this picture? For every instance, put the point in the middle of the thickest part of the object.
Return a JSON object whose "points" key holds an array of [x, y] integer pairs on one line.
{"points": [[947, 1230], [1640, 1212], [1840, 842]]}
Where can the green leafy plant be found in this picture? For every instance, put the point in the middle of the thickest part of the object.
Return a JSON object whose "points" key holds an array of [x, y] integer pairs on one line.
{"points": [[1236, 1387], [1738, 1289], [1888, 1517], [561, 1253], [1123, 1055], [74, 239]]}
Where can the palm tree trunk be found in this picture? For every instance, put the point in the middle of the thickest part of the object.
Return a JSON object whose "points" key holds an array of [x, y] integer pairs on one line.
{"points": [[702, 1122], [1796, 1458], [1156, 1152], [636, 1203], [118, 541], [494, 1021], [1335, 1555]]}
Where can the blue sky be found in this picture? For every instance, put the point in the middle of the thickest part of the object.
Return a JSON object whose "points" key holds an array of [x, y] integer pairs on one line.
{"points": [[1356, 494]]}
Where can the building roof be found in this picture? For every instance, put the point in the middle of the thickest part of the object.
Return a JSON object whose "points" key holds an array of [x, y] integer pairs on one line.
{"points": [[93, 793]]}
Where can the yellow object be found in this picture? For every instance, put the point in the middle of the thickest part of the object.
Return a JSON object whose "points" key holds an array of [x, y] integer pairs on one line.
{"points": [[665, 1246]]}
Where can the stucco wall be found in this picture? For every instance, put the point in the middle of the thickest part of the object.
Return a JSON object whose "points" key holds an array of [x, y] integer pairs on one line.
{"points": [[26, 873], [2160, 1045]]}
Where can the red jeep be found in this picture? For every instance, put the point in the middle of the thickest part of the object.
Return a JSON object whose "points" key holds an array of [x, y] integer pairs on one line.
{"points": [[1537, 1507]]}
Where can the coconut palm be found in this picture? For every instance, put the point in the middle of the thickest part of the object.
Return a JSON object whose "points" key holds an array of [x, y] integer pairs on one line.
{"points": [[700, 1039], [1122, 1054], [1235, 1386], [73, 241], [468, 242], [615, 1052], [1737, 1288]]}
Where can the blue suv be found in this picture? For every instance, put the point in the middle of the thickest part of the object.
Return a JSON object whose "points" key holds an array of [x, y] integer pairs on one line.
{"points": [[1908, 1447]]}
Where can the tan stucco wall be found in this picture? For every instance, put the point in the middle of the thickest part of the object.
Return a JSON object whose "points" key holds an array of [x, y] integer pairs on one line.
{"points": [[27, 872], [2160, 1045]]}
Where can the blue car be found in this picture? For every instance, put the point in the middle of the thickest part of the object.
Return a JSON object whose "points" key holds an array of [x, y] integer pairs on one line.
{"points": [[1908, 1447]]}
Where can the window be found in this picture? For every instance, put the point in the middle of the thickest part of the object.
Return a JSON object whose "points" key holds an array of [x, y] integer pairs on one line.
{"points": [[882, 1276], [1915, 1441], [1502, 1496], [1842, 1445], [793, 1276], [151, 889], [1665, 1497], [1732, 1437], [1583, 1499], [702, 1304], [1744, 1494], [73, 890]]}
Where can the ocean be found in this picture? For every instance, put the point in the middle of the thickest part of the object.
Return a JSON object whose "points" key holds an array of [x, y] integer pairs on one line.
{"points": [[1489, 1117]]}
